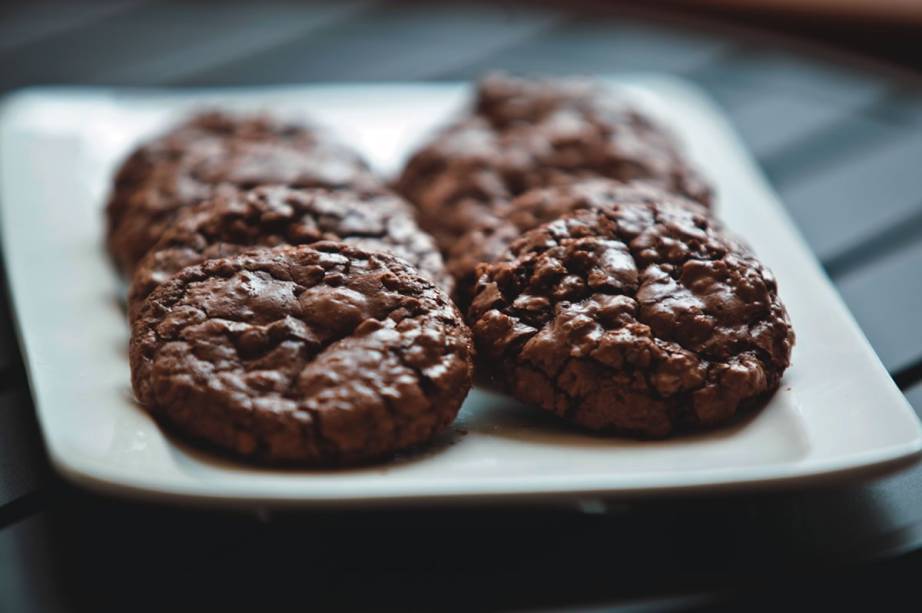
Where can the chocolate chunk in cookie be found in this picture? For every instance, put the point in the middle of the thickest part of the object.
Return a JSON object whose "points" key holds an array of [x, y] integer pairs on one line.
{"points": [[642, 319], [235, 221], [187, 164], [490, 240], [526, 134], [322, 354]]}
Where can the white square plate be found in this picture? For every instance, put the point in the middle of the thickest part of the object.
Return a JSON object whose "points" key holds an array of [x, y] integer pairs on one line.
{"points": [[837, 413]]}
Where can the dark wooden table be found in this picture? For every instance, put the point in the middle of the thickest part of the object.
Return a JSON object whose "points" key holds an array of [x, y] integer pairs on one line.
{"points": [[840, 137]]}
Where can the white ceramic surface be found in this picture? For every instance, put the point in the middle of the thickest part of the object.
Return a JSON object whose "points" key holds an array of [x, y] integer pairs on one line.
{"points": [[838, 414]]}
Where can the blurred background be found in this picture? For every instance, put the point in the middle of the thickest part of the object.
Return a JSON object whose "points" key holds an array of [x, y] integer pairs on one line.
{"points": [[828, 96]]}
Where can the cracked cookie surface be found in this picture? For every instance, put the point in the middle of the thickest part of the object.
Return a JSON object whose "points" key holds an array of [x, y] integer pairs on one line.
{"points": [[488, 241], [322, 354], [191, 161], [525, 134], [236, 221], [643, 319]]}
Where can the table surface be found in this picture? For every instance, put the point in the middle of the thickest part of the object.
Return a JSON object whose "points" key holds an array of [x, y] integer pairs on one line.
{"points": [[840, 138]]}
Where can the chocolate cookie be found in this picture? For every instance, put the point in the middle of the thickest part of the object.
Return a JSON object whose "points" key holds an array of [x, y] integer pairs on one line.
{"points": [[636, 319], [235, 221], [490, 240], [185, 166], [322, 354], [526, 134]]}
